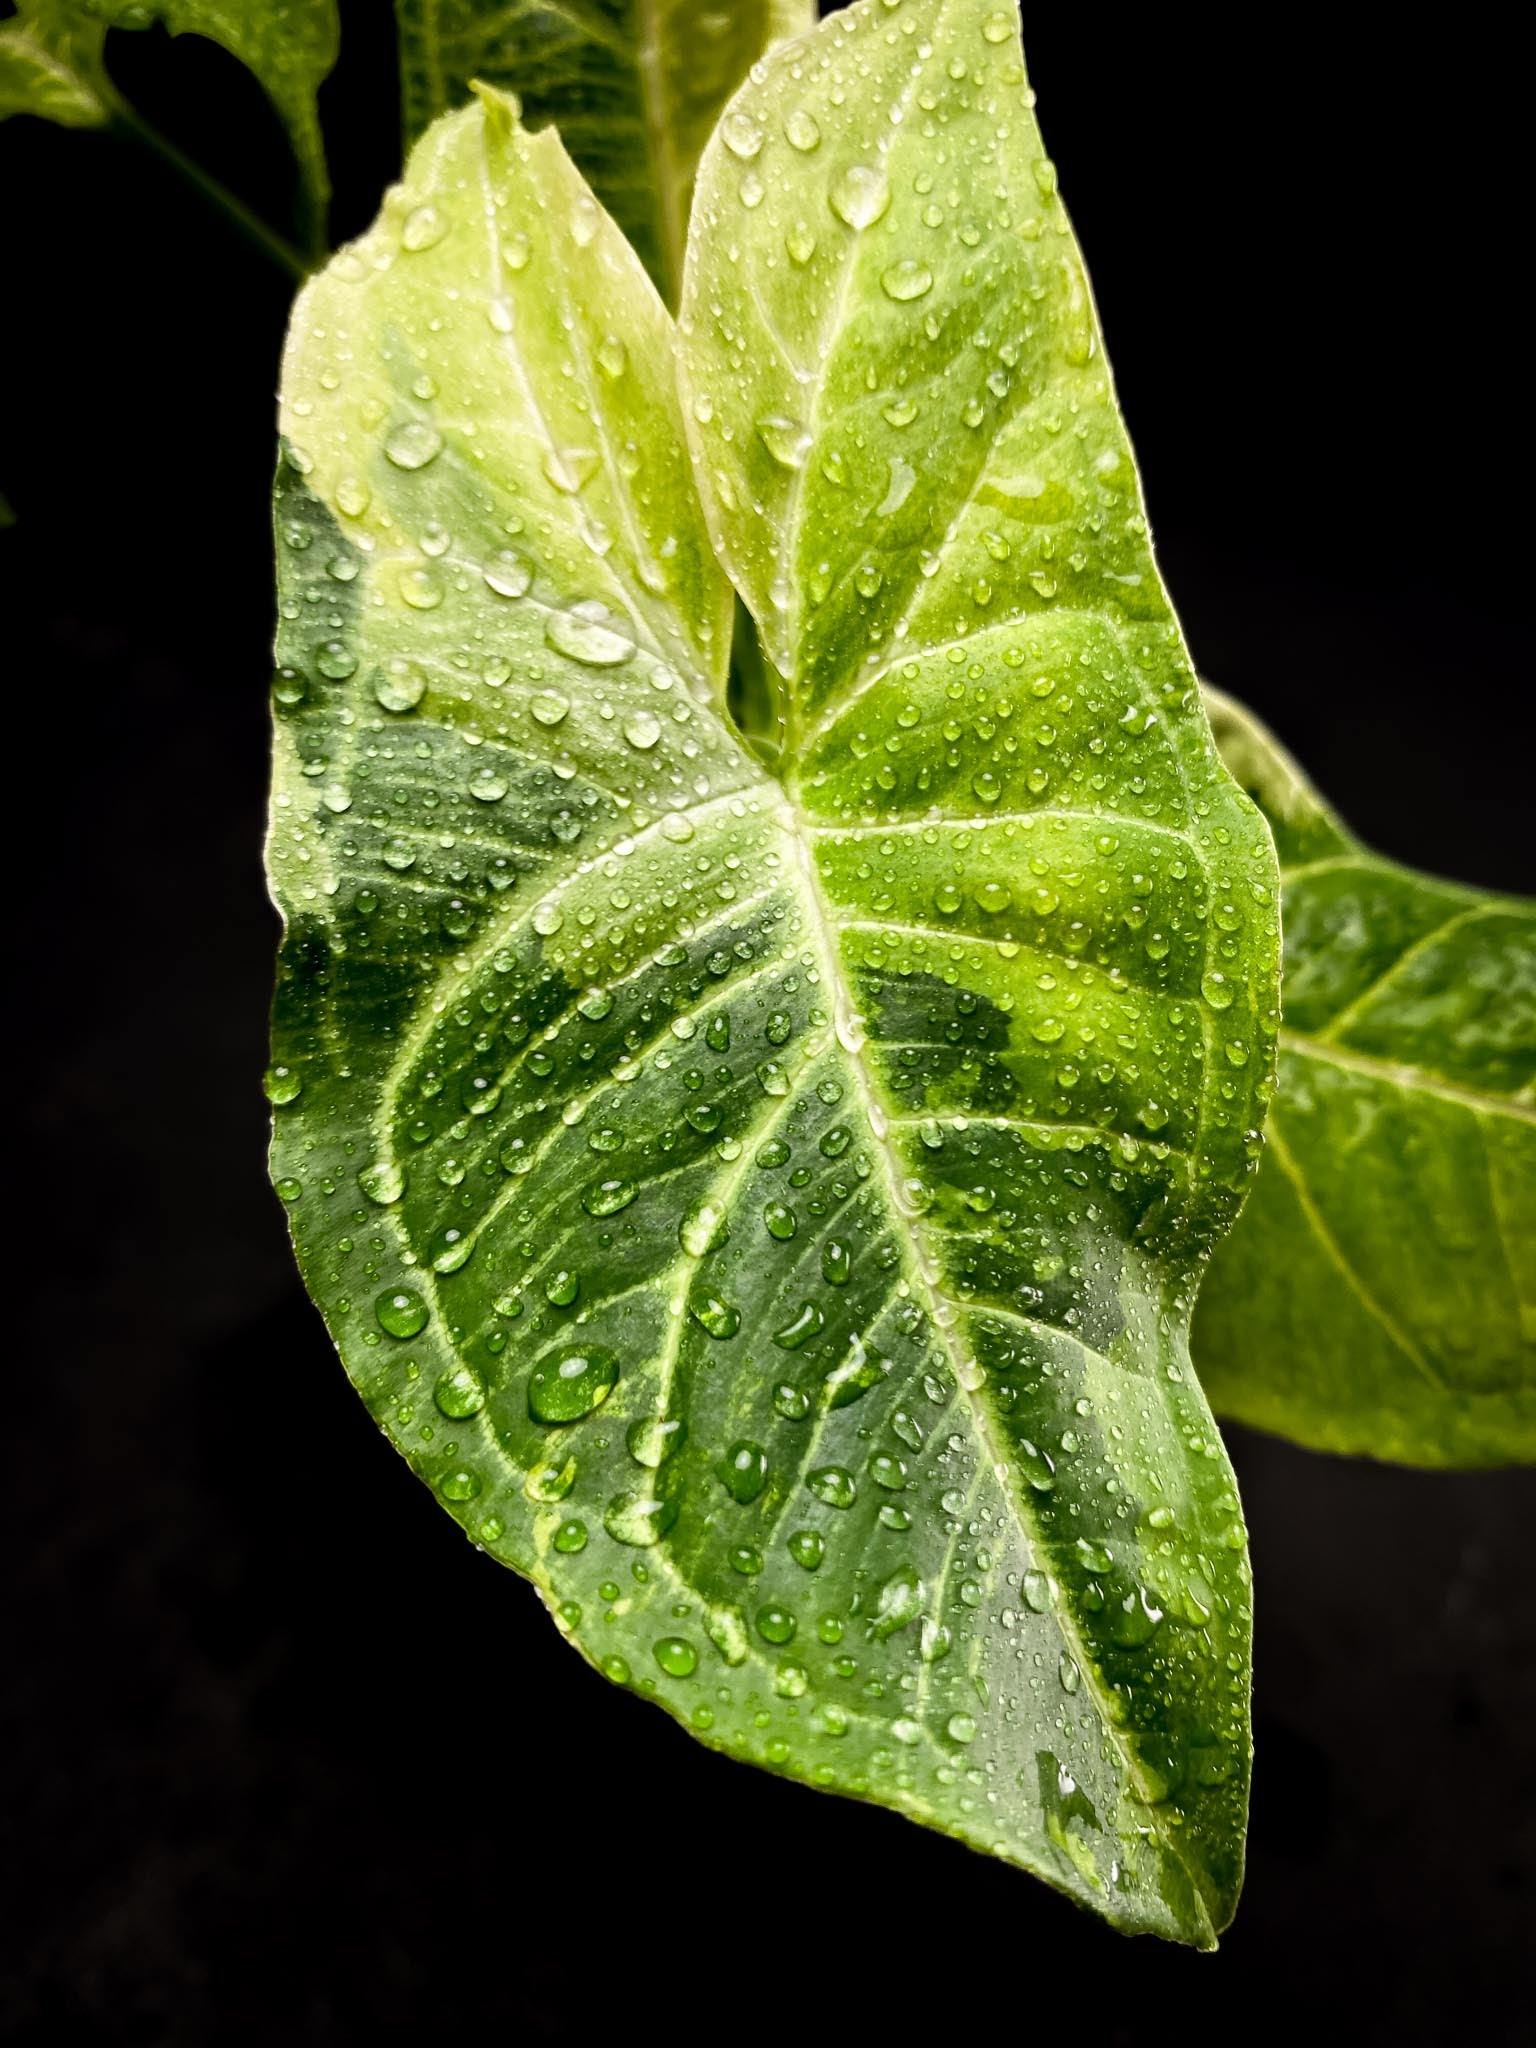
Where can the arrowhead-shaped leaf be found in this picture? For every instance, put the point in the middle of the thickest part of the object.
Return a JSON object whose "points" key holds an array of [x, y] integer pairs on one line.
{"points": [[634, 86], [1379, 1293], [767, 1208]]}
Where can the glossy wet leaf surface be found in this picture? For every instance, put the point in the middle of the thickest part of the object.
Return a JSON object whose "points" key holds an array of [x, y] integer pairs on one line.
{"points": [[766, 1209], [634, 86], [1379, 1293]]}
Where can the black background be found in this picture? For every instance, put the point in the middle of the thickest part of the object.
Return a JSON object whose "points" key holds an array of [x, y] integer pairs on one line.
{"points": [[284, 1760]]}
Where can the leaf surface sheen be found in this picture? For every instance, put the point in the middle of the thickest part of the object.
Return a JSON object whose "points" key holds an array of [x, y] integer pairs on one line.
{"points": [[767, 1211], [1378, 1295], [634, 86]]}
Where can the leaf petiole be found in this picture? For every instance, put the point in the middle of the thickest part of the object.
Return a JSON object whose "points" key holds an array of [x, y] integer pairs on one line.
{"points": [[274, 246]]}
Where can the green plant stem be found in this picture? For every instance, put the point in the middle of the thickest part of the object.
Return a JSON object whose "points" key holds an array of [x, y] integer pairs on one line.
{"points": [[251, 225]]}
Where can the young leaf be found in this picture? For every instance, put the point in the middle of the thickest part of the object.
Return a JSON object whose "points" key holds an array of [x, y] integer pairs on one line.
{"points": [[634, 86], [51, 65], [289, 45], [1379, 1293], [766, 1212]]}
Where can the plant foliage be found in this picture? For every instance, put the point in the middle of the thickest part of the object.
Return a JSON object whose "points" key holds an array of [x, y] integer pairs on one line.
{"points": [[1379, 1293], [778, 998], [765, 1203]]}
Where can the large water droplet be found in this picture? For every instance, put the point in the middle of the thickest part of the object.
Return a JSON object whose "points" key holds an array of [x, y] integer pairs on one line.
{"points": [[716, 1316], [401, 1311], [861, 195], [900, 1601], [833, 1486], [422, 229], [906, 280], [642, 730], [741, 135], [785, 439], [587, 634], [383, 1182], [508, 573], [401, 686], [548, 707], [567, 1388], [801, 130], [570, 469], [413, 444], [743, 1471], [459, 1393], [676, 1656], [638, 1519], [653, 1441]]}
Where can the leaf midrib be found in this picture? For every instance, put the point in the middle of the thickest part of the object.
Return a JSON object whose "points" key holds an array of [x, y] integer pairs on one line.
{"points": [[1407, 1076], [942, 1309]]}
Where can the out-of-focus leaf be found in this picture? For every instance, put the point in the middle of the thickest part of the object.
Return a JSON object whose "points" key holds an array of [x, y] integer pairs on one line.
{"points": [[634, 86], [1379, 1292], [289, 46], [50, 65]]}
